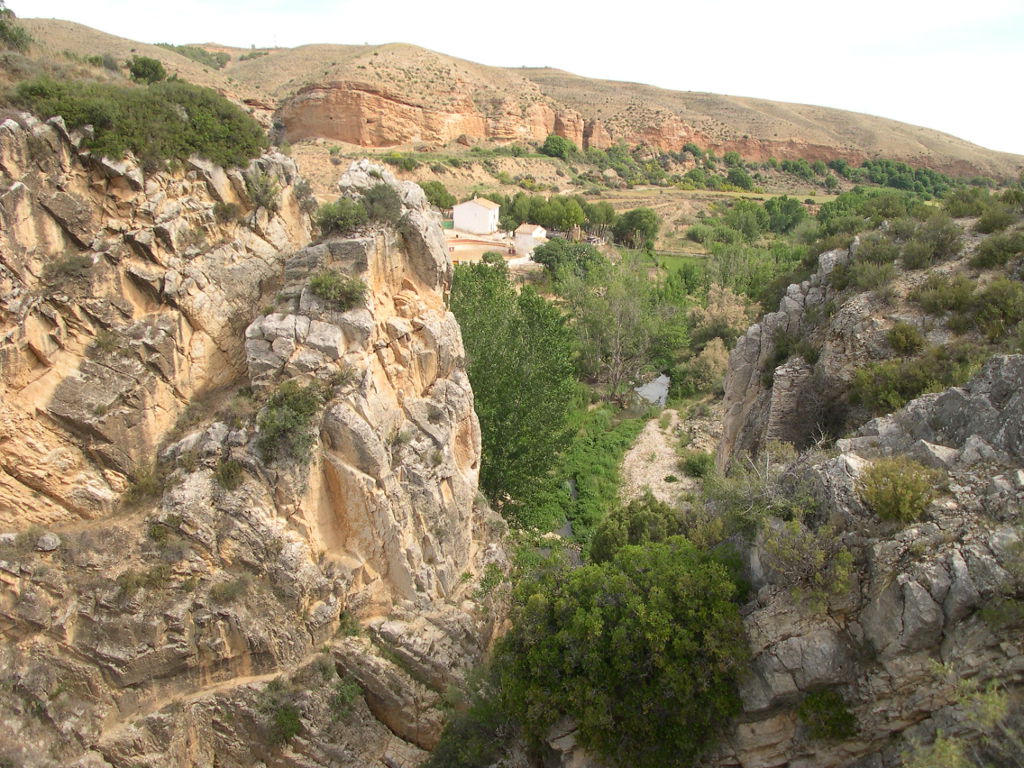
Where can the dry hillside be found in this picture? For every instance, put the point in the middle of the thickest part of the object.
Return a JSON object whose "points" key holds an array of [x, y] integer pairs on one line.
{"points": [[400, 95]]}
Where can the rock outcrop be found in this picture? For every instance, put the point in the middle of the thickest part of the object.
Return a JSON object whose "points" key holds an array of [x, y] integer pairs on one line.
{"points": [[783, 403], [122, 298], [375, 116], [928, 613], [239, 610], [917, 617]]}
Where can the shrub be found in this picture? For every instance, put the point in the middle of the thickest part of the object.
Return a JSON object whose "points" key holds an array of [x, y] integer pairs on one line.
{"points": [[940, 293], [229, 475], [383, 204], [107, 61], [826, 716], [943, 235], [346, 692], [999, 307], [229, 591], [404, 162], [131, 581], [341, 217], [285, 724], [813, 563], [883, 387], [264, 190], [211, 59], [702, 373], [305, 197], [340, 291], [167, 120], [998, 249], [225, 213], [697, 463], [862, 275], [898, 488], [12, 35], [143, 69], [643, 652], [643, 521], [147, 483], [877, 248], [905, 338], [966, 201], [285, 424], [995, 217], [72, 267]]}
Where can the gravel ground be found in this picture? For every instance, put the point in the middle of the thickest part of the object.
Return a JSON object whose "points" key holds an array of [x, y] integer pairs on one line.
{"points": [[653, 457]]}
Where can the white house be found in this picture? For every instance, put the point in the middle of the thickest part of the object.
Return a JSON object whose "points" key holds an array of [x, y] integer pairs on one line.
{"points": [[528, 237], [479, 216]]}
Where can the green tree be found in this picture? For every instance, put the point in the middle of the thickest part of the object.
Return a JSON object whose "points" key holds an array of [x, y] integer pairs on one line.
{"points": [[643, 652], [438, 195], [572, 215], [747, 217], [637, 228], [558, 146], [143, 69], [784, 213], [642, 521], [12, 36], [738, 177], [560, 256], [519, 356], [624, 325], [733, 159], [601, 217]]}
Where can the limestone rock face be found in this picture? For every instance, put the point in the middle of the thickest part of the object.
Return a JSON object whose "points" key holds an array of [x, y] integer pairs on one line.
{"points": [[122, 298], [912, 623], [755, 413], [243, 610], [374, 116]]}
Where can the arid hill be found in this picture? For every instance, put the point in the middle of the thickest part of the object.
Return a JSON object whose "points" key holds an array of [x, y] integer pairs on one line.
{"points": [[398, 94]]}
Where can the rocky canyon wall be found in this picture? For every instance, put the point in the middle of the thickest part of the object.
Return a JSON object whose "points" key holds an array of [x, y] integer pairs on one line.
{"points": [[169, 593]]}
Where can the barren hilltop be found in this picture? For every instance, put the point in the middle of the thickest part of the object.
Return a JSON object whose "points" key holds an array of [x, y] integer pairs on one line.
{"points": [[399, 95]]}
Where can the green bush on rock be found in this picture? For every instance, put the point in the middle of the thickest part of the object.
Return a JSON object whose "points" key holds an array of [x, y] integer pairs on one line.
{"points": [[643, 652]]}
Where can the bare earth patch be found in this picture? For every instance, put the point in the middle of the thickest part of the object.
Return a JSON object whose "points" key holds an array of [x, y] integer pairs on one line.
{"points": [[654, 457]]}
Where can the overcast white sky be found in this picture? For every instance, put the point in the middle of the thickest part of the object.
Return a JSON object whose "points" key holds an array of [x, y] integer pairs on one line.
{"points": [[952, 66]]}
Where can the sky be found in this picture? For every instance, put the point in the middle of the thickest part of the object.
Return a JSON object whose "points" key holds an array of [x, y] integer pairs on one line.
{"points": [[952, 66]]}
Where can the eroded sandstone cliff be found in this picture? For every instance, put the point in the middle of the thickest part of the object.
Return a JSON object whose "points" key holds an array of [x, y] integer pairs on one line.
{"points": [[240, 610]]}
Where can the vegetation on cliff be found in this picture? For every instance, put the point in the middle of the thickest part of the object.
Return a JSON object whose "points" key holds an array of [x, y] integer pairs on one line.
{"points": [[643, 651], [168, 120]]}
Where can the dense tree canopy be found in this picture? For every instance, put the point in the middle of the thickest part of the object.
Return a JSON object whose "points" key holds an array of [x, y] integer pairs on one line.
{"points": [[561, 256], [625, 326], [144, 69], [784, 213], [558, 146], [642, 651], [637, 228], [438, 195], [519, 356]]}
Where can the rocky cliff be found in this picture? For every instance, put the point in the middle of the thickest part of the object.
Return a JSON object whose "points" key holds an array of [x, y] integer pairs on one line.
{"points": [[925, 620], [374, 116], [916, 618], [170, 594]]}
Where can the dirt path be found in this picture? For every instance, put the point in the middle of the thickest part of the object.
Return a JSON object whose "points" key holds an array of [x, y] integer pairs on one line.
{"points": [[653, 461]]}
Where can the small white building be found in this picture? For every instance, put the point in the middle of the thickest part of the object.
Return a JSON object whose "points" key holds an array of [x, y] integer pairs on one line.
{"points": [[528, 237], [479, 216]]}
